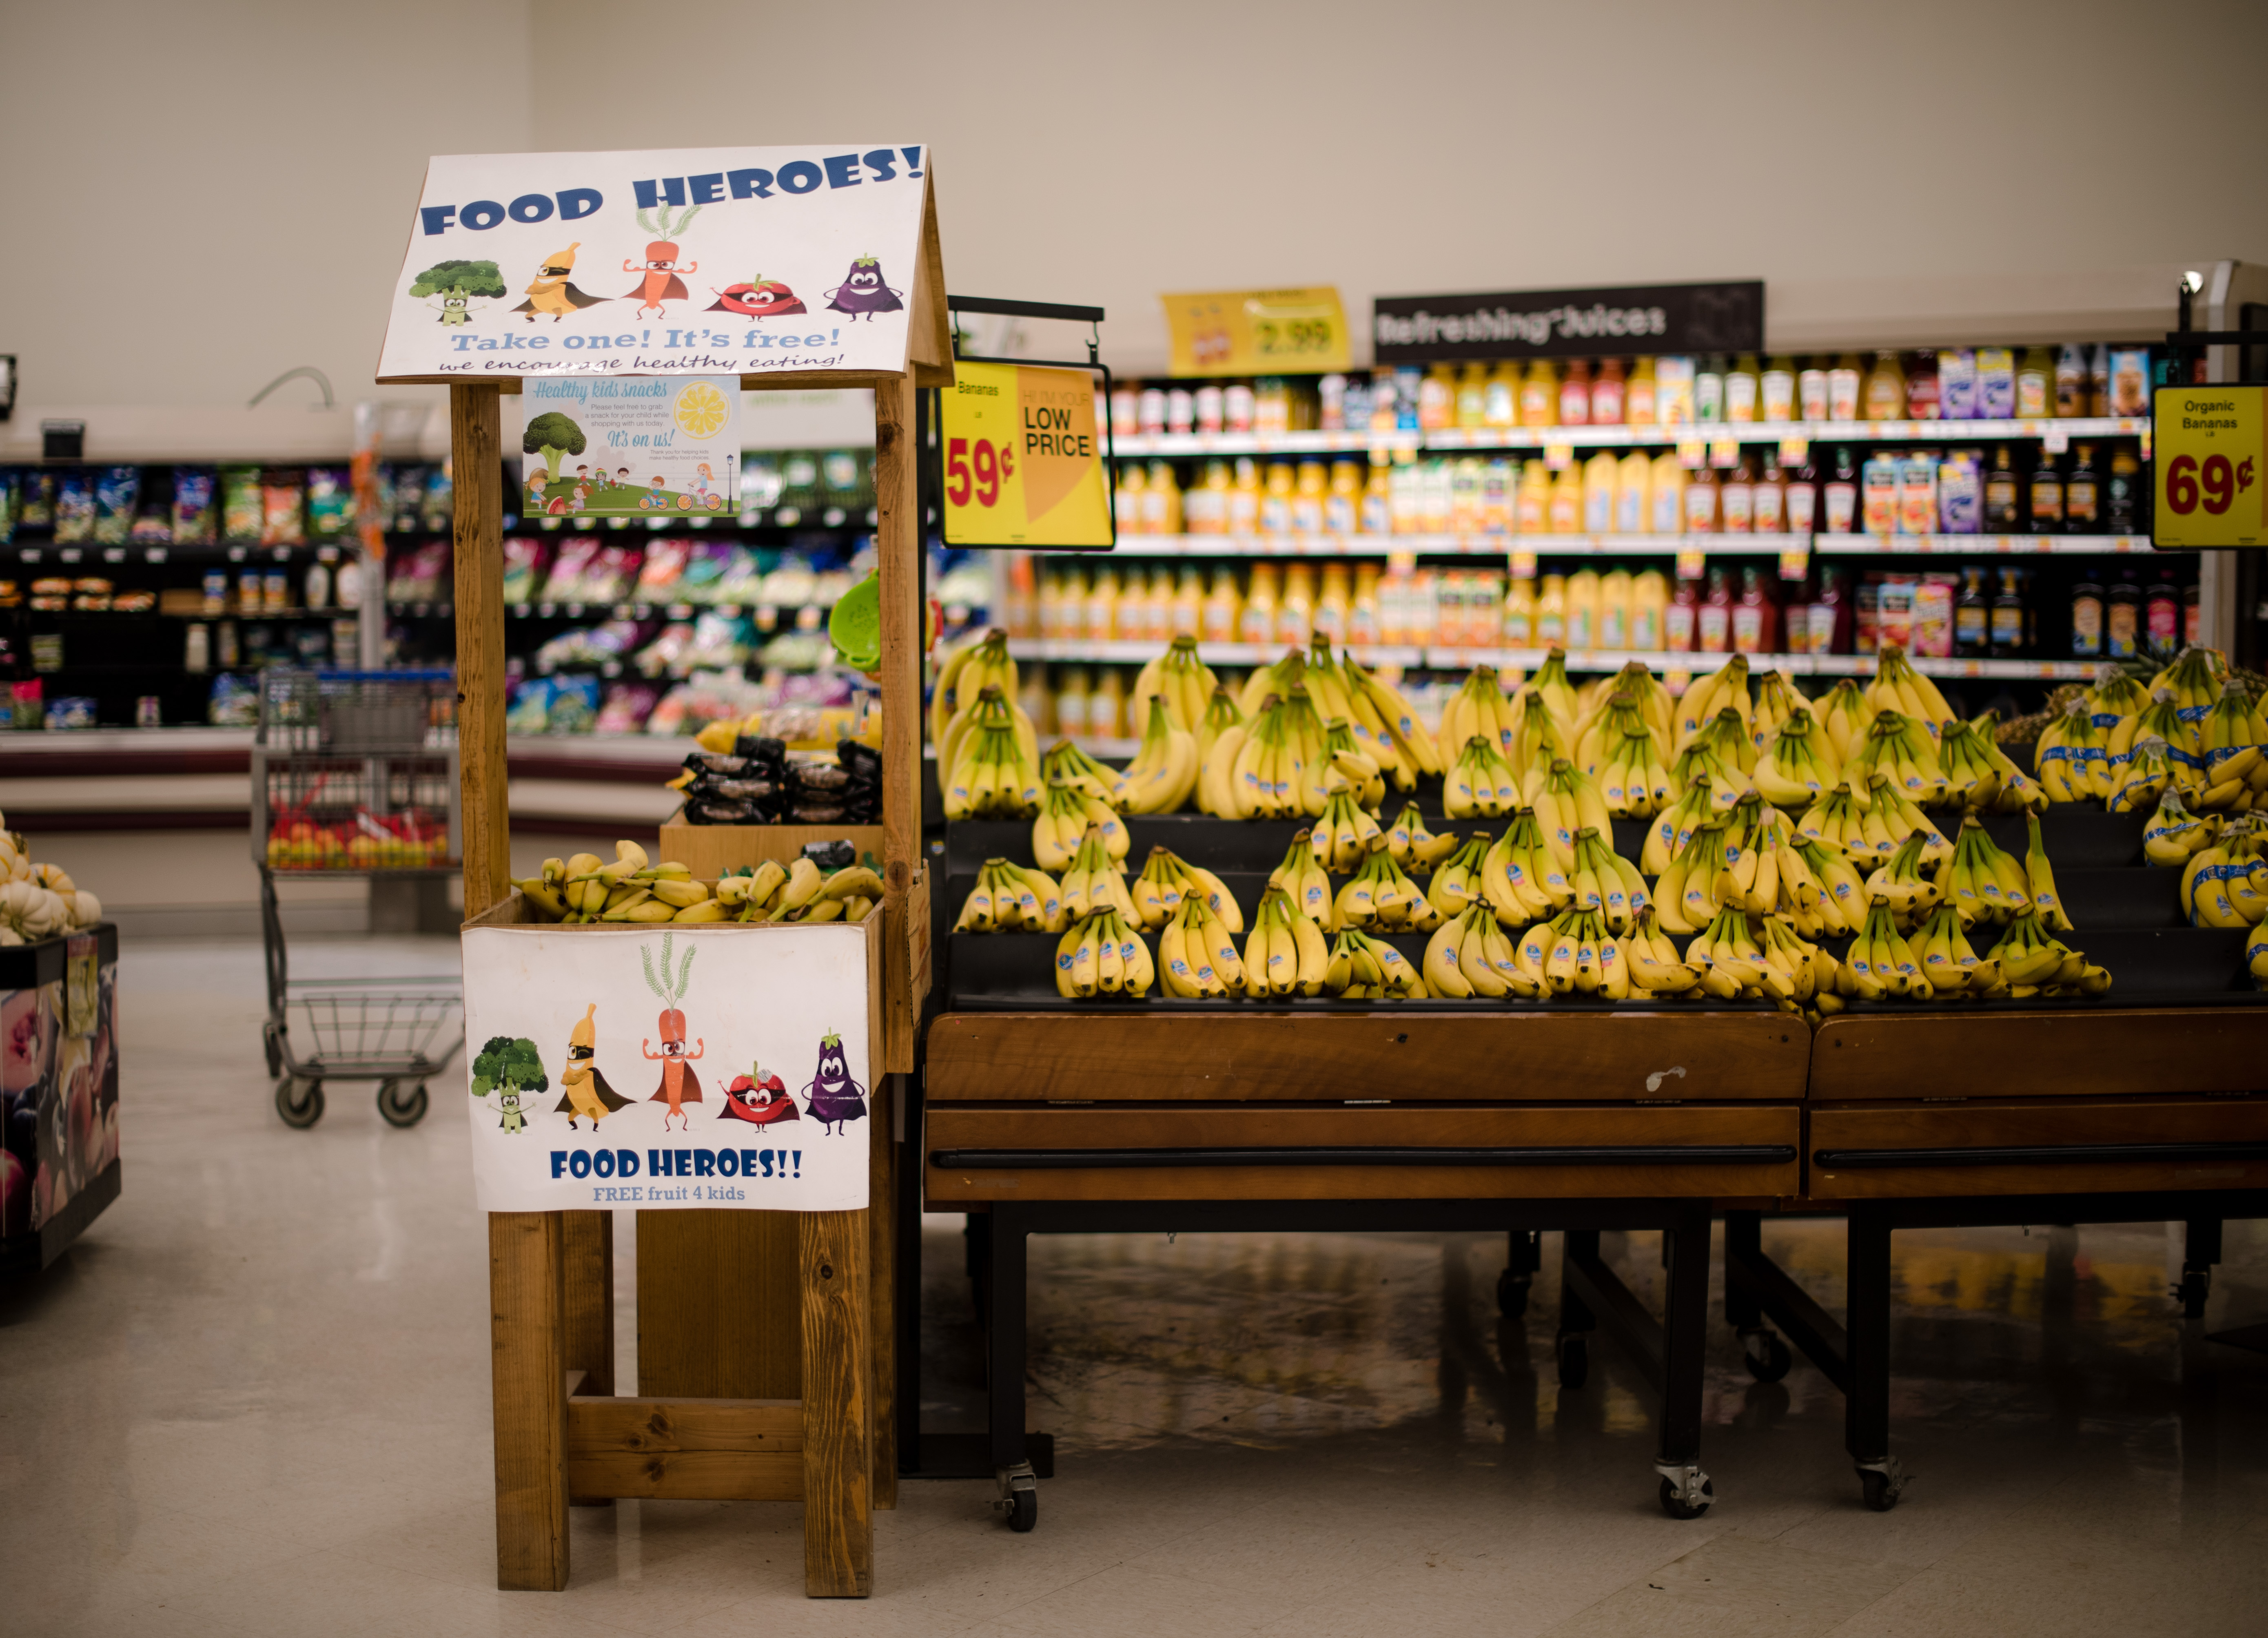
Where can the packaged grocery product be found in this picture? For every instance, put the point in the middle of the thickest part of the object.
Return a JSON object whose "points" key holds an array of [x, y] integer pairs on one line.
{"points": [[420, 574], [1575, 394], [1839, 496], [1811, 389], [1736, 499], [75, 507], [1532, 502], [1801, 506], [1755, 617], [1894, 622], [1633, 494], [1918, 492], [1743, 389], [1843, 389], [1665, 494], [2124, 493], [1996, 384], [2035, 374], [2122, 629], [1886, 389], [437, 505], [1583, 609], [11, 505], [1776, 399], [1471, 412], [1680, 617], [2129, 380], [1672, 391], [1770, 504], [2071, 378], [1539, 394], [625, 707], [1600, 476], [330, 501], [35, 499], [1497, 481], [1922, 396], [1712, 623], [241, 504], [1437, 398], [1878, 502], [1957, 384], [1276, 498], [2003, 508], [523, 568], [1708, 391], [1642, 395], [2046, 496], [1308, 496], [657, 578], [282, 503], [153, 512], [233, 702], [1567, 501], [1959, 494], [1551, 612], [1702, 494], [1929, 634], [117, 490], [2082, 498], [2086, 621]]}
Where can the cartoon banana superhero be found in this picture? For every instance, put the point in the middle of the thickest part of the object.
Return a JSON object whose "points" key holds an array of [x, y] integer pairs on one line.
{"points": [[583, 1083], [552, 293]]}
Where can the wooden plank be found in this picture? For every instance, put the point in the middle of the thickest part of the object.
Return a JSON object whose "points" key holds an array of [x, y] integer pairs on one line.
{"points": [[718, 1306], [2047, 1123], [1542, 1056], [686, 1449], [589, 1242], [882, 1263], [2048, 1053], [838, 1515], [528, 1367], [709, 850], [782, 381], [1021, 1126], [929, 346], [475, 445], [898, 546]]}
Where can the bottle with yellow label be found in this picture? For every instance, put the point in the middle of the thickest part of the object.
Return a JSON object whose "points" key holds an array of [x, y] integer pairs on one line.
{"points": [[1364, 626], [1633, 494], [1642, 394], [1567, 500], [1649, 602], [1106, 705], [1472, 397], [1162, 604], [1497, 480], [1532, 504], [1332, 604], [1520, 615], [1343, 504], [1256, 621], [1185, 614], [1776, 390], [1295, 612], [1437, 400], [1600, 473], [1127, 501], [1743, 389], [1244, 498], [1101, 623], [1161, 500], [1315, 483], [1551, 612], [1276, 499], [1204, 510], [1615, 609], [1500, 406], [1378, 502], [1583, 609], [1223, 607], [1070, 701], [1667, 494], [1539, 394]]}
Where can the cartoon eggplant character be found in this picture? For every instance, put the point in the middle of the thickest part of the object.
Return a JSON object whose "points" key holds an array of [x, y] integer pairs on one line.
{"points": [[836, 1099], [863, 292], [680, 1086], [759, 298], [660, 283], [758, 1098]]}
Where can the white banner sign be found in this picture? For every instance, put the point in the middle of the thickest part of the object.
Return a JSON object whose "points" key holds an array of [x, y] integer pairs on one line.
{"points": [[674, 262], [659, 1067], [630, 446]]}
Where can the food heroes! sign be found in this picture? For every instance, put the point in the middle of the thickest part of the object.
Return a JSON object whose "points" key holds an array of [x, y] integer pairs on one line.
{"points": [[673, 261], [1023, 459]]}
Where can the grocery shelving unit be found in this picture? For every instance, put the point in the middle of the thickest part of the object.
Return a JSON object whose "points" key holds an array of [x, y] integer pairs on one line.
{"points": [[1497, 546], [1144, 445]]}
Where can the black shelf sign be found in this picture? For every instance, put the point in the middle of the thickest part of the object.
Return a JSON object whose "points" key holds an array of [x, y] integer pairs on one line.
{"points": [[1623, 321]]}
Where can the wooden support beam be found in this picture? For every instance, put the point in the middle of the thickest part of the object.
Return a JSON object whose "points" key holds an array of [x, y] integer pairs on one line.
{"points": [[476, 466], [719, 1308], [590, 1315], [694, 1450], [898, 546], [838, 1520], [885, 1155], [528, 1345]]}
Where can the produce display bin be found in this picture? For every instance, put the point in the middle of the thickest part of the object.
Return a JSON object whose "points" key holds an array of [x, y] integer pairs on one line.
{"points": [[59, 1165]]}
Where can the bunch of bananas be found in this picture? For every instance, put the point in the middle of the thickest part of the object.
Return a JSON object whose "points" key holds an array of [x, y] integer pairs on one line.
{"points": [[1457, 886], [1797, 764], [2230, 744], [1379, 894], [2116, 692], [1573, 954], [1276, 770], [1469, 954], [1094, 880], [1778, 699], [1982, 882], [996, 768], [2143, 779], [1843, 715], [1830, 897], [2195, 676], [1897, 687], [1901, 885], [2030, 961], [1671, 829], [1690, 893], [1634, 781], [1067, 762], [2226, 882], [1168, 881], [1301, 875], [2255, 955], [1179, 678], [1163, 772], [1479, 708], [2072, 757], [1100, 954], [1721, 750], [1521, 876], [980, 663], [2161, 718], [1068, 811], [1414, 848], [1640, 686], [1012, 898], [1656, 969], [1867, 826], [1346, 761], [1603, 880], [1979, 775], [1566, 799], [1901, 749], [1197, 955], [1744, 957], [801, 894], [1361, 967], [631, 889], [1344, 836], [1723, 689], [1284, 954], [1379, 717], [1480, 783], [2173, 833], [1221, 735]]}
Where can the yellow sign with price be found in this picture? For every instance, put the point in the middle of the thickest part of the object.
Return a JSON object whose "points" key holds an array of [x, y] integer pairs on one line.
{"points": [[1258, 332], [1023, 459], [2209, 445]]}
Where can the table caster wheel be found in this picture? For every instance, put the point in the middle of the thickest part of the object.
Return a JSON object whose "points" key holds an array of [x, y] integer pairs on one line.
{"points": [[1882, 1483], [398, 1110], [1512, 1294], [299, 1102], [1686, 1492], [1768, 1357], [2195, 1287], [1574, 1359], [1020, 1497]]}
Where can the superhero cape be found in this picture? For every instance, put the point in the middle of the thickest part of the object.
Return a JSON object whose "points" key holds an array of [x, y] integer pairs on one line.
{"points": [[565, 1106], [880, 299], [675, 290], [573, 295], [690, 1094]]}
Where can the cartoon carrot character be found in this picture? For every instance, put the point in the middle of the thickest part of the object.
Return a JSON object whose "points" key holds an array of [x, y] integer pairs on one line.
{"points": [[660, 282], [680, 1086]]}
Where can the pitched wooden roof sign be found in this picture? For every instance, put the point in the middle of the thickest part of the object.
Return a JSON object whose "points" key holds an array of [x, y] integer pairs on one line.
{"points": [[814, 265]]}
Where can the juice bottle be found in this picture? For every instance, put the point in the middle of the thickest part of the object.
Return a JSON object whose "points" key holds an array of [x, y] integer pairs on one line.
{"points": [[1126, 501], [1239, 408], [1878, 495], [1187, 617], [1736, 499], [2081, 497], [1244, 498], [1256, 621], [1709, 390], [2123, 620], [1276, 499], [1996, 384], [1812, 397], [1472, 397], [1378, 502], [1342, 506], [1972, 615], [1204, 510], [1615, 591], [2071, 380], [1567, 501], [1599, 476], [1539, 394], [1497, 481], [2035, 378], [1071, 702], [1839, 496], [2003, 496], [1161, 500], [2047, 495], [1776, 390], [1702, 495], [1465, 483], [1755, 617], [1500, 405], [1435, 493], [1532, 510], [1332, 604], [1828, 614], [1921, 386], [1364, 627], [1743, 389], [2122, 494], [1607, 394], [1641, 395], [1295, 612], [1575, 394], [1681, 619], [1886, 389], [1918, 492], [2162, 618], [1666, 494], [1649, 603], [2087, 621], [1802, 504], [1634, 493], [1843, 389], [1770, 504], [1957, 384], [1712, 624], [1437, 398], [1106, 706], [1314, 485], [1960, 492], [1551, 614], [1520, 615], [1102, 607], [1583, 609]]}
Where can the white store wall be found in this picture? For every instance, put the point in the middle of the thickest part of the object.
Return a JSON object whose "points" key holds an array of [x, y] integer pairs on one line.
{"points": [[201, 195]]}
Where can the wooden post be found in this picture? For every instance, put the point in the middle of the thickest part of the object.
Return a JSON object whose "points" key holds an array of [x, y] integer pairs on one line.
{"points": [[882, 1261], [898, 546], [477, 465], [838, 1525], [587, 1313], [529, 1367]]}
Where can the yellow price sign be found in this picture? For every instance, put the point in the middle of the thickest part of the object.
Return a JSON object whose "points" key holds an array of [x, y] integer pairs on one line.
{"points": [[1023, 459], [1257, 332], [2211, 448]]}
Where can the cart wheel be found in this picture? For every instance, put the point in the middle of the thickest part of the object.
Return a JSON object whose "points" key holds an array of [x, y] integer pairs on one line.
{"points": [[299, 1102], [2195, 1287], [1512, 1294], [1689, 1506], [1574, 1359], [1023, 1507], [1881, 1486], [1767, 1358], [275, 1048], [398, 1110]]}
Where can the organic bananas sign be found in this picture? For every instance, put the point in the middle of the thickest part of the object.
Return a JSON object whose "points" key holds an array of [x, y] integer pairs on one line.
{"points": [[1023, 459], [2211, 448]]}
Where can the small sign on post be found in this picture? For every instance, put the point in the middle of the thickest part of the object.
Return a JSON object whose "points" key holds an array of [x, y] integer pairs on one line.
{"points": [[2211, 448], [1023, 459]]}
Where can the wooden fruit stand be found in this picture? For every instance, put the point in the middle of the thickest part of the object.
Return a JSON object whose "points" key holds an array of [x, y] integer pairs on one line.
{"points": [[766, 1339]]}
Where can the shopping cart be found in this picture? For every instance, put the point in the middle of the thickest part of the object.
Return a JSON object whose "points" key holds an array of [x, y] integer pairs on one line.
{"points": [[354, 775]]}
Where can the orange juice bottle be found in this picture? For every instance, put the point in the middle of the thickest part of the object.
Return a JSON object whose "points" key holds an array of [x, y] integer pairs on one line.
{"points": [[1599, 477], [1539, 394], [1433, 495], [1472, 397], [1437, 400], [1342, 505], [1583, 609], [1633, 494], [1377, 514], [1649, 606], [1497, 483], [1500, 406], [1127, 502], [1331, 605], [1244, 498], [1668, 494], [1551, 614], [1315, 483], [1520, 615], [1186, 611], [1223, 609], [1466, 482], [1158, 623], [1532, 504], [1363, 625], [1276, 499], [1071, 702], [1204, 510], [1641, 394], [1614, 627], [1295, 613], [1567, 501], [1106, 705], [1256, 620], [1161, 501]]}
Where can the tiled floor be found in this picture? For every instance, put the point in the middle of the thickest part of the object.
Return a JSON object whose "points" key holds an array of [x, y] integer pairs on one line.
{"points": [[255, 1400]]}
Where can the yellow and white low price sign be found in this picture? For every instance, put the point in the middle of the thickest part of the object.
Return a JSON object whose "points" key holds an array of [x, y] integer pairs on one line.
{"points": [[2211, 448], [1257, 332], [1023, 459]]}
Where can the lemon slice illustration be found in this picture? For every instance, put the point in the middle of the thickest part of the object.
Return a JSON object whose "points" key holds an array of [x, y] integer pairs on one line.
{"points": [[701, 410]]}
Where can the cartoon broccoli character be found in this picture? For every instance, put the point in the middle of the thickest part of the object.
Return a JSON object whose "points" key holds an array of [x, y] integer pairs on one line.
{"points": [[456, 284], [511, 1068], [554, 436]]}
